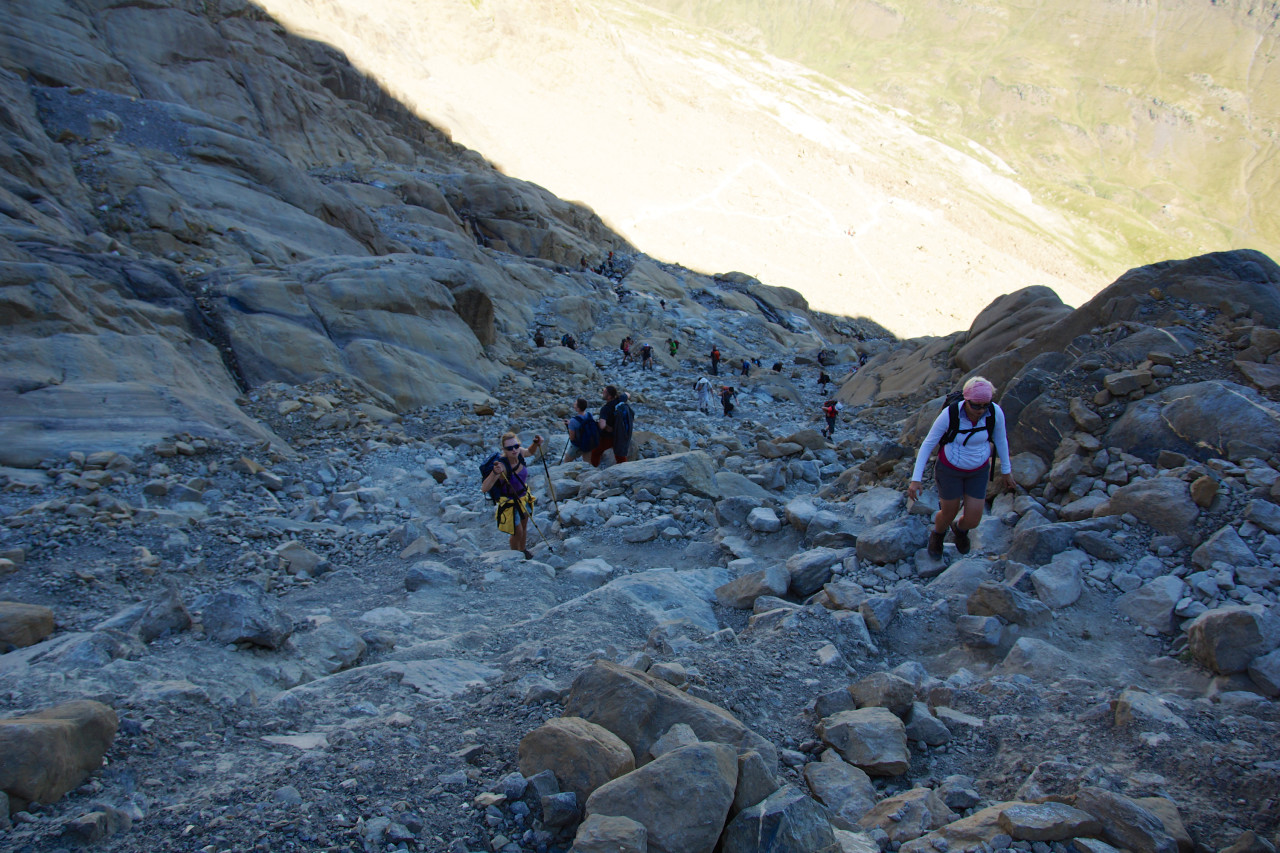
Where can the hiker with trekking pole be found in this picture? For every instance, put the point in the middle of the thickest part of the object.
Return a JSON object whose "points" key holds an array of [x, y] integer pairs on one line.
{"points": [[506, 480]]}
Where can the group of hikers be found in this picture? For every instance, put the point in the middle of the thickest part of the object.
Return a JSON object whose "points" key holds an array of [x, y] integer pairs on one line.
{"points": [[964, 434]]}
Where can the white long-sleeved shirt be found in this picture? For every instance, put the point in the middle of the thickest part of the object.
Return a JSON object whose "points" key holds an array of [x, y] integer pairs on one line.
{"points": [[967, 452]]}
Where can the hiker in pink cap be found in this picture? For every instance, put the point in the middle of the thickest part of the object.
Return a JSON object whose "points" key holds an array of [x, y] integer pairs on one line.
{"points": [[963, 432]]}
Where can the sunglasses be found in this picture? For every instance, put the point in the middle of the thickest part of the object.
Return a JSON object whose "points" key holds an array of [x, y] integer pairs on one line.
{"points": [[510, 447], [977, 407]]}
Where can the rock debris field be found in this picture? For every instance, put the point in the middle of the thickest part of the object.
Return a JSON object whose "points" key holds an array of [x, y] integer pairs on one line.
{"points": [[737, 638]]}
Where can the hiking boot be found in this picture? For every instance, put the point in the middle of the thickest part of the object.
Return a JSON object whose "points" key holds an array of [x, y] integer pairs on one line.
{"points": [[962, 538], [935, 544], [528, 555]]}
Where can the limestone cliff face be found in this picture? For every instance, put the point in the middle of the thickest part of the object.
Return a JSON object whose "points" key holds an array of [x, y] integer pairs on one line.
{"points": [[193, 202]]}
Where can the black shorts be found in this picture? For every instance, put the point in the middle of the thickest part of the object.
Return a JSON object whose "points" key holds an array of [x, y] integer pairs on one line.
{"points": [[954, 483]]}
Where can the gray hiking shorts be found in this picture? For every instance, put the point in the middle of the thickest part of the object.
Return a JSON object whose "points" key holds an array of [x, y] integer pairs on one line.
{"points": [[954, 483]]}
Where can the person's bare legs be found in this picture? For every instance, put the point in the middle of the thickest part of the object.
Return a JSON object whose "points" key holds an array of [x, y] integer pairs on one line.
{"points": [[947, 511]]}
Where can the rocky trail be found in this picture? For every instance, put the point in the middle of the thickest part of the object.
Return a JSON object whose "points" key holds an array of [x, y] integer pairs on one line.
{"points": [[328, 649], [259, 326]]}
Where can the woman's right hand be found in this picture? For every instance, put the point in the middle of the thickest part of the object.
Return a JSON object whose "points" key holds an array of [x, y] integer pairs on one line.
{"points": [[913, 490]]}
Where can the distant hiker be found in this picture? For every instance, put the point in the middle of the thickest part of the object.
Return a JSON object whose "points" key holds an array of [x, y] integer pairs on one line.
{"points": [[862, 359], [538, 339], [727, 397], [584, 432], [507, 482], [615, 426], [674, 346], [703, 388], [830, 410], [625, 346], [663, 303], [715, 361], [777, 367], [646, 357], [963, 433], [567, 340], [823, 381], [746, 367]]}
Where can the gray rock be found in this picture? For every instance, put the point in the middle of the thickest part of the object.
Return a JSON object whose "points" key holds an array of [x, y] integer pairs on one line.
{"points": [[681, 799], [1060, 583], [1265, 672], [1012, 605], [1152, 604], [846, 791], [1163, 503], [243, 613], [884, 690], [640, 709], [429, 573], [924, 727], [873, 739], [878, 611], [764, 520], [963, 577], [1265, 514], [894, 540], [1125, 823], [1047, 822], [786, 822], [981, 632], [909, 815], [811, 569], [23, 625], [1200, 420], [582, 755], [1225, 546], [690, 473], [611, 834], [742, 593], [755, 781], [1226, 639]]}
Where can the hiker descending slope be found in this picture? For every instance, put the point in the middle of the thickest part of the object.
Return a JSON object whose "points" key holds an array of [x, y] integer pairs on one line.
{"points": [[963, 433], [703, 389], [507, 482]]}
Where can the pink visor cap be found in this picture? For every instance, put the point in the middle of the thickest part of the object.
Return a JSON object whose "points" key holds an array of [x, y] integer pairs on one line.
{"points": [[979, 390]]}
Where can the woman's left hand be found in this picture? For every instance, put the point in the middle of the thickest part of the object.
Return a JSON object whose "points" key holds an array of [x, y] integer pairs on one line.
{"points": [[1010, 484]]}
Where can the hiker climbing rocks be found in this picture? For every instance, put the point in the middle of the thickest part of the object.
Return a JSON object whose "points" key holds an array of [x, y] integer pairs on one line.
{"points": [[567, 340], [823, 381], [615, 426], [674, 346], [715, 361], [728, 395], [538, 339], [830, 410], [777, 367], [646, 357], [703, 389], [507, 483], [963, 433], [584, 433], [746, 367], [625, 346]]}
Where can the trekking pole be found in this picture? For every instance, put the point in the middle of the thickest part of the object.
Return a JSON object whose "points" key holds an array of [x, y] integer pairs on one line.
{"points": [[541, 534], [565, 452], [551, 487]]}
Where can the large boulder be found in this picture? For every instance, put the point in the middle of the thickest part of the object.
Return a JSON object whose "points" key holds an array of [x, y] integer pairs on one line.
{"points": [[785, 822], [243, 613], [691, 473], [847, 792], [582, 755], [47, 754], [1201, 421], [639, 709], [1164, 503], [873, 739], [1152, 604], [1226, 639], [909, 815], [892, 541], [23, 625], [681, 798]]}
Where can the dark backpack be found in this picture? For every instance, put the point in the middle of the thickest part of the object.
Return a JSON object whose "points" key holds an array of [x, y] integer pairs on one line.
{"points": [[622, 419], [588, 432], [486, 467], [954, 400]]}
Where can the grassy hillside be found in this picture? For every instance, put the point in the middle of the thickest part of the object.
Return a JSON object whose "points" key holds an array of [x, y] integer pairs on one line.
{"points": [[1158, 121]]}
